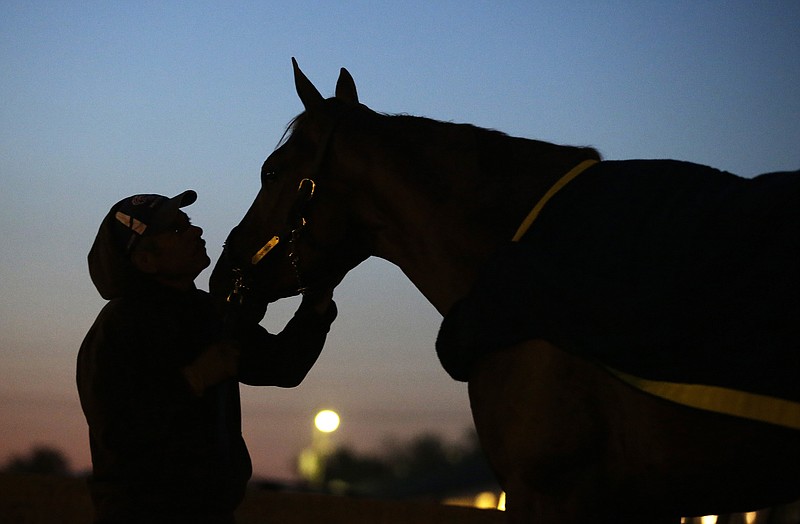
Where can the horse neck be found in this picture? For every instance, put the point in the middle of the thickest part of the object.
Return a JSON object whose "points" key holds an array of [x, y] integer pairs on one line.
{"points": [[439, 210]]}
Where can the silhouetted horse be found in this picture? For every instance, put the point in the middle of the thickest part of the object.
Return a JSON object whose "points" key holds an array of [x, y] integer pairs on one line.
{"points": [[632, 353]]}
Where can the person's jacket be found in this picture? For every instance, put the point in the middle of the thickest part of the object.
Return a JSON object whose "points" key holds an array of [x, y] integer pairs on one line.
{"points": [[157, 448]]}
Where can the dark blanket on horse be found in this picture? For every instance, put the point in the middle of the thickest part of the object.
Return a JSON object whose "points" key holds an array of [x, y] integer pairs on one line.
{"points": [[665, 270]]}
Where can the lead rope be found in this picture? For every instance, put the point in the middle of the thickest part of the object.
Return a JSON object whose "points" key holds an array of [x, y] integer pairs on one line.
{"points": [[294, 257]]}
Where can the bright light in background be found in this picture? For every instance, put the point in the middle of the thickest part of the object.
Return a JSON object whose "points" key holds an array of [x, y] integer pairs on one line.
{"points": [[482, 500], [485, 500], [326, 421], [312, 460]]}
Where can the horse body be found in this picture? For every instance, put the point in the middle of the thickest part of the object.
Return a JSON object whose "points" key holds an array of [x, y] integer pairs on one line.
{"points": [[440, 224], [568, 441], [572, 444]]}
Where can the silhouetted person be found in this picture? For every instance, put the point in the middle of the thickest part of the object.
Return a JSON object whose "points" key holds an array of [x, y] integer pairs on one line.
{"points": [[158, 371]]}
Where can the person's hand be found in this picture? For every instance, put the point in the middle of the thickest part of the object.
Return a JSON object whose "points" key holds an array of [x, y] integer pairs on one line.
{"points": [[318, 299], [249, 313], [218, 362]]}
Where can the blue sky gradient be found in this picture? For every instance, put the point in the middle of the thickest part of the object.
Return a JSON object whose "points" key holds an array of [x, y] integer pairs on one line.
{"points": [[100, 100]]}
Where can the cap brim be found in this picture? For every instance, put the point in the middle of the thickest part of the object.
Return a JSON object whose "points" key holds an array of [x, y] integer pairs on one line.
{"points": [[162, 219]]}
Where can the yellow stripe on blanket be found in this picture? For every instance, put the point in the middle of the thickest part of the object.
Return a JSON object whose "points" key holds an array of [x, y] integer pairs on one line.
{"points": [[752, 406], [563, 181]]}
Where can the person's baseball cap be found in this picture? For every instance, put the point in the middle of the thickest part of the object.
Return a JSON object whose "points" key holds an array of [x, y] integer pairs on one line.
{"points": [[129, 220]]}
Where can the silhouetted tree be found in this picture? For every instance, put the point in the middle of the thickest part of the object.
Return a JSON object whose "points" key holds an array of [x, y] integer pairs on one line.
{"points": [[423, 455], [424, 465], [346, 465], [41, 459]]}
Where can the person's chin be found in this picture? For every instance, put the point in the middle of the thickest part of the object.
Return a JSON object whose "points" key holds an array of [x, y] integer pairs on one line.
{"points": [[202, 259]]}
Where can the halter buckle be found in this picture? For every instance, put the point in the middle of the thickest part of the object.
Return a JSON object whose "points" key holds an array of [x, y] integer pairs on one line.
{"points": [[236, 296]]}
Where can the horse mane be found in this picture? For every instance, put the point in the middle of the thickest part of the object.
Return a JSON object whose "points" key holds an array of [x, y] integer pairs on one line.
{"points": [[290, 128], [496, 153]]}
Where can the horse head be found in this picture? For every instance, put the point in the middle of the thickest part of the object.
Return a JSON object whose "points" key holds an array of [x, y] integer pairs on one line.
{"points": [[297, 234]]}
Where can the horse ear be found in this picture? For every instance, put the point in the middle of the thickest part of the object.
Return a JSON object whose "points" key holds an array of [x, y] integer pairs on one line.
{"points": [[346, 87], [305, 89]]}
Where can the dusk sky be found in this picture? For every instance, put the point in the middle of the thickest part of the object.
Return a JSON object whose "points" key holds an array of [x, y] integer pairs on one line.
{"points": [[101, 100]]}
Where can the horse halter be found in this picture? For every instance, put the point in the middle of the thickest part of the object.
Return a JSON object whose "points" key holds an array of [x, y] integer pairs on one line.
{"points": [[305, 193], [301, 222]]}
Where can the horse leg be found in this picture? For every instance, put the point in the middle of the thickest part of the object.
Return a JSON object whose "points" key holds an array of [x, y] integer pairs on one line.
{"points": [[539, 435], [540, 417]]}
